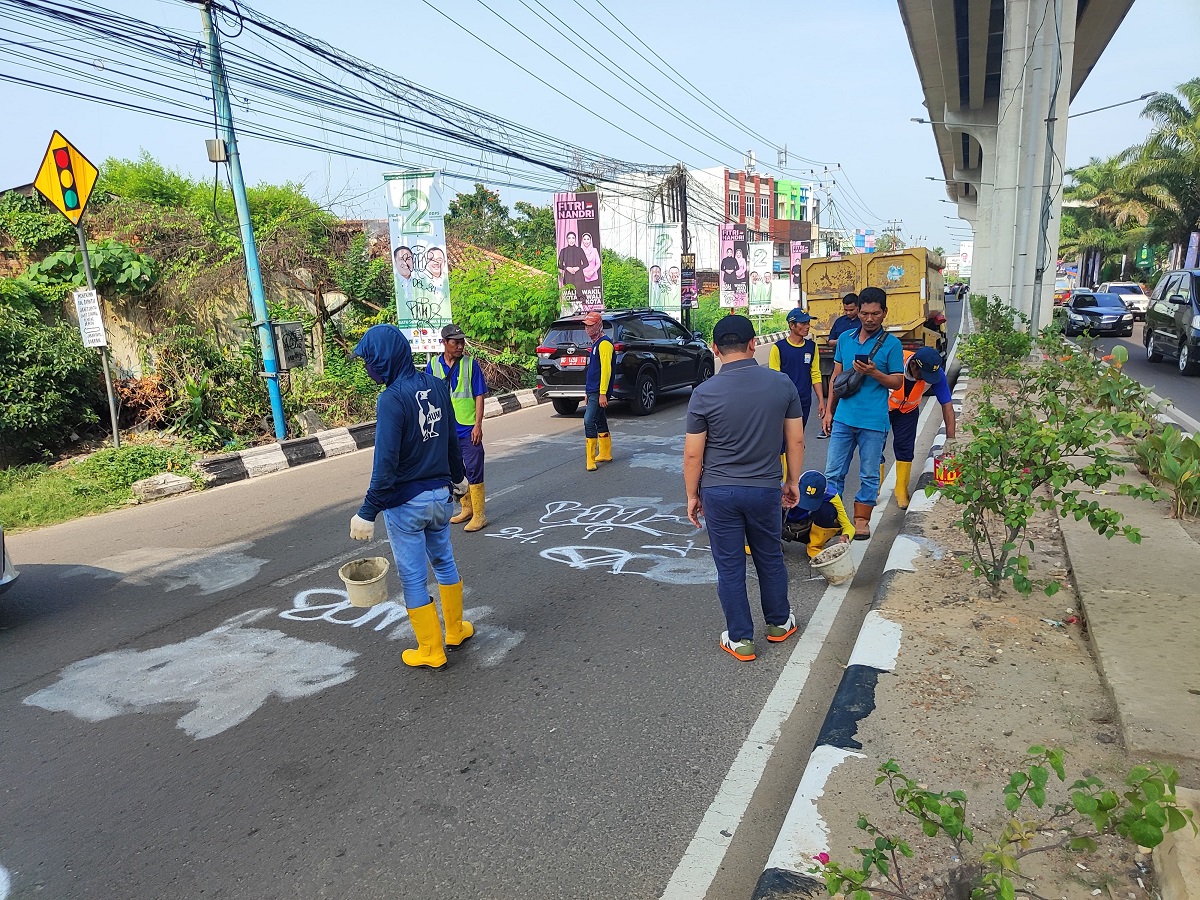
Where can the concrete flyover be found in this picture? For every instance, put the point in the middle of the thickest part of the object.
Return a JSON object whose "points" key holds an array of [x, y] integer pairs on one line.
{"points": [[998, 77]]}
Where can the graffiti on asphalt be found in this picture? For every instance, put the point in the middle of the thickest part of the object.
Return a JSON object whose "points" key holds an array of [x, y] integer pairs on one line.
{"points": [[646, 515], [678, 569], [489, 646], [225, 675]]}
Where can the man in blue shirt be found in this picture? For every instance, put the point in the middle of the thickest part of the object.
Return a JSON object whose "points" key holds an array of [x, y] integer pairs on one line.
{"points": [[417, 462], [860, 421]]}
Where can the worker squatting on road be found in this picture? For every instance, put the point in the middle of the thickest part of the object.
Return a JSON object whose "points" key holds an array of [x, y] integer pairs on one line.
{"points": [[821, 513], [417, 464], [922, 368], [467, 390], [597, 385], [732, 475]]}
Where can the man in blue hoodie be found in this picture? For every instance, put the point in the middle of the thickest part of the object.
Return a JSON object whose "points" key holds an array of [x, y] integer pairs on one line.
{"points": [[418, 462]]}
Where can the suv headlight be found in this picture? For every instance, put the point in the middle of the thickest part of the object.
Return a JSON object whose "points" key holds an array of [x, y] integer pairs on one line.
{"points": [[1127, 318], [1076, 317]]}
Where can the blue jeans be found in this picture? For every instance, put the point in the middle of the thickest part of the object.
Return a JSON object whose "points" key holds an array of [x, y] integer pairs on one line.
{"points": [[736, 517], [420, 529], [595, 418], [843, 440]]}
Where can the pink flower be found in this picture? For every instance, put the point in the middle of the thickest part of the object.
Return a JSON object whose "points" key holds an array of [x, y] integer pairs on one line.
{"points": [[822, 858], [1025, 471]]}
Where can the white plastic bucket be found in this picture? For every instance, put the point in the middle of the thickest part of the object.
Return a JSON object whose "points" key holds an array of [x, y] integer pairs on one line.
{"points": [[365, 580], [835, 563]]}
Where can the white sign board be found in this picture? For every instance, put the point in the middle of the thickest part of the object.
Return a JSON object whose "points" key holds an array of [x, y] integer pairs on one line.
{"points": [[91, 322]]}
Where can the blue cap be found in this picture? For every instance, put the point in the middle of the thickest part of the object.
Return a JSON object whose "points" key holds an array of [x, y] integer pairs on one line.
{"points": [[812, 490], [798, 315], [928, 360]]}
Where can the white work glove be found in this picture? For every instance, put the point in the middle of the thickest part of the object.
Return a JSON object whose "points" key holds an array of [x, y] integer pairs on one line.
{"points": [[460, 489], [361, 529]]}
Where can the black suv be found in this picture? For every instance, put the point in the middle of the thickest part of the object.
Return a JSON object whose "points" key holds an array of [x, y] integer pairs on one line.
{"points": [[1173, 320], [651, 353]]}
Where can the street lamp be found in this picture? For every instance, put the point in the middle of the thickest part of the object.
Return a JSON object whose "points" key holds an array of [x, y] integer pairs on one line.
{"points": [[953, 125], [1145, 96]]}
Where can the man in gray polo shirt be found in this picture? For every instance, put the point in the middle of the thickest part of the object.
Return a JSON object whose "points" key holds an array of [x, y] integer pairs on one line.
{"points": [[735, 424]]}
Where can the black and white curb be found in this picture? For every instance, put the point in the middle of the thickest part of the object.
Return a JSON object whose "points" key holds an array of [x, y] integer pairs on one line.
{"points": [[242, 464]]}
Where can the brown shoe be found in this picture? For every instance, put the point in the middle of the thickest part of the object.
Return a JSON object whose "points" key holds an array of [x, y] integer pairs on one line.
{"points": [[862, 520]]}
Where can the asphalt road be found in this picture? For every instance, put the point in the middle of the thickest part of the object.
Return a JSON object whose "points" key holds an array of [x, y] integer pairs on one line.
{"points": [[191, 708], [1163, 377]]}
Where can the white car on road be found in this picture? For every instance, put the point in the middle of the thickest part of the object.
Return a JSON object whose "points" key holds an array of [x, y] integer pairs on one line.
{"points": [[1131, 292]]}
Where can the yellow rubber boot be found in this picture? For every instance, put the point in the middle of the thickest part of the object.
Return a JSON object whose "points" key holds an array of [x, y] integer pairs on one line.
{"points": [[478, 519], [882, 472], [592, 444], [465, 513], [457, 631], [903, 471], [818, 537], [430, 652], [604, 447]]}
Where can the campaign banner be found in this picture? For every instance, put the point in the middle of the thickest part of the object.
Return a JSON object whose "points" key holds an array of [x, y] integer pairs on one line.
{"points": [[577, 237], [662, 261], [762, 277], [799, 251], [689, 292], [415, 207], [735, 273]]}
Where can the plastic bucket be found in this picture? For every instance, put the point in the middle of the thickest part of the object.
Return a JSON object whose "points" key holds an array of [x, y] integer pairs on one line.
{"points": [[365, 580], [835, 563]]}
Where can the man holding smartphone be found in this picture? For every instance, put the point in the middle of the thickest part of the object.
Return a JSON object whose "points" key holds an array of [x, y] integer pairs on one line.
{"points": [[860, 422]]}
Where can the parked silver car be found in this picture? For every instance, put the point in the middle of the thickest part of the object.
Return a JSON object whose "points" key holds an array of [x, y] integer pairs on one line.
{"points": [[8, 574]]}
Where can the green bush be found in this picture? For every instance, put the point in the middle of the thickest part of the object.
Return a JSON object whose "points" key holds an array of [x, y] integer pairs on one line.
{"points": [[50, 384], [110, 470], [509, 309]]}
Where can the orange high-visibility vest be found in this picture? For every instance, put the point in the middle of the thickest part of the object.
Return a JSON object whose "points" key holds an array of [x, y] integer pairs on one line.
{"points": [[904, 402]]}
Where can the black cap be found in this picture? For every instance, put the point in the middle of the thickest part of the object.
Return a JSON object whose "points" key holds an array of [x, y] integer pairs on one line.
{"points": [[733, 329], [452, 332]]}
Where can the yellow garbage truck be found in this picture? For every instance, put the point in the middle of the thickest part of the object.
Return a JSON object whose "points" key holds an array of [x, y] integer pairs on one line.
{"points": [[911, 278]]}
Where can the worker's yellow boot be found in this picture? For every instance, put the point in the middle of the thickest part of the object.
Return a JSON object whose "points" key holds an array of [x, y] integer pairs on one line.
{"points": [[903, 471], [457, 631], [478, 519], [818, 537], [604, 447], [430, 652], [465, 513], [591, 453]]}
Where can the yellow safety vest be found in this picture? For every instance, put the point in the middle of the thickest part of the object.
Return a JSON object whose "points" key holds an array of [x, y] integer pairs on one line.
{"points": [[460, 395]]}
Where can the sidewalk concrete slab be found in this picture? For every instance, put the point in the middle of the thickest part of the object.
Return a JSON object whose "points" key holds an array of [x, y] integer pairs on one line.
{"points": [[1177, 858], [1141, 610]]}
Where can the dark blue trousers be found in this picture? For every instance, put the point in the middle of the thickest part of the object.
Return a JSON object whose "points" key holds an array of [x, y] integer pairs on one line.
{"points": [[737, 517]]}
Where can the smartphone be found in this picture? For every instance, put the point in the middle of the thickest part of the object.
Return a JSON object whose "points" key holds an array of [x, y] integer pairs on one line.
{"points": [[863, 358]]}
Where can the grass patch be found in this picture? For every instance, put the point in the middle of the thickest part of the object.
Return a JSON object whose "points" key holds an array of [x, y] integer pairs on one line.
{"points": [[36, 495]]}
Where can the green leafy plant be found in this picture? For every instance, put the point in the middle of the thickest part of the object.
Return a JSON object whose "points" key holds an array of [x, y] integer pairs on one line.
{"points": [[1174, 459], [1001, 342], [116, 268], [1033, 447], [1142, 813]]}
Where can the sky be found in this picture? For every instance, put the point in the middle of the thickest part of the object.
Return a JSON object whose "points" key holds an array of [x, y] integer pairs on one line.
{"points": [[837, 86]]}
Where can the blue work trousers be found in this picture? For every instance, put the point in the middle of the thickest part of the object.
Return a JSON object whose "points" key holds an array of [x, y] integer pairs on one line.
{"points": [[737, 517], [843, 441], [419, 530], [595, 417]]}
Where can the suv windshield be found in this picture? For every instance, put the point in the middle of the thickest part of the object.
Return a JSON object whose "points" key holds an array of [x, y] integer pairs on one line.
{"points": [[1124, 289], [563, 333]]}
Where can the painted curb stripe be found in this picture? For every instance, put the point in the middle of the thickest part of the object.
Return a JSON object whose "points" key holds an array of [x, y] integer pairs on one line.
{"points": [[853, 702], [336, 442], [301, 450], [223, 469], [363, 435]]}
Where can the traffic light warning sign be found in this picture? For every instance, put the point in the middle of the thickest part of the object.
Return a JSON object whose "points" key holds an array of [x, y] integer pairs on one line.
{"points": [[66, 178]]}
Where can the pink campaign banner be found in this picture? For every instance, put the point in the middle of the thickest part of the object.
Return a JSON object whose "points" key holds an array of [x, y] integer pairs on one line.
{"points": [[735, 271], [577, 235]]}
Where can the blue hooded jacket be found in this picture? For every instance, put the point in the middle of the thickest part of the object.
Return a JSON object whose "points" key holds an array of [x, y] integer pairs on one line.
{"points": [[416, 439]]}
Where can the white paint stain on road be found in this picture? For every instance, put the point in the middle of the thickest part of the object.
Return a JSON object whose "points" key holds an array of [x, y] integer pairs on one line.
{"points": [[489, 647], [664, 462], [212, 570], [5, 882], [226, 674]]}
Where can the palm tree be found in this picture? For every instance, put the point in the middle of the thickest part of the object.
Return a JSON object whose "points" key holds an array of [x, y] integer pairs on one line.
{"points": [[1165, 168], [1102, 209]]}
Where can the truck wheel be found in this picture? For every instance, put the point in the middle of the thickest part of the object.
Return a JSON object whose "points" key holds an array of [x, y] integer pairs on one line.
{"points": [[565, 406], [645, 393]]}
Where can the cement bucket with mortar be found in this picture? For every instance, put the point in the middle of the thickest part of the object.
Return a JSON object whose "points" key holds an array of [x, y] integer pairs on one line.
{"points": [[835, 563], [365, 580]]}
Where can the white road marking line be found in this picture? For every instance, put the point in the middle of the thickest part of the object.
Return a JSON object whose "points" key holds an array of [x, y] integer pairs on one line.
{"points": [[502, 492], [5, 883], [703, 857], [332, 561]]}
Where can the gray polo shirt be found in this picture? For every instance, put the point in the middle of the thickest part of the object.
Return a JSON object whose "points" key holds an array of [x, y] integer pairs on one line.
{"points": [[742, 409]]}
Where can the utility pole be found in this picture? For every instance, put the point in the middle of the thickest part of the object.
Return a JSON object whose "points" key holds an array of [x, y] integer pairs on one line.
{"points": [[681, 190], [258, 298]]}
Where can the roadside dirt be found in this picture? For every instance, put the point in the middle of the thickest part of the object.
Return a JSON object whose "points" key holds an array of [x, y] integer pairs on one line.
{"points": [[979, 680]]}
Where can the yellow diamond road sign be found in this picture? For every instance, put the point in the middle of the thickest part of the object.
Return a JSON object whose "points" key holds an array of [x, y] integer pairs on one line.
{"points": [[66, 178]]}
